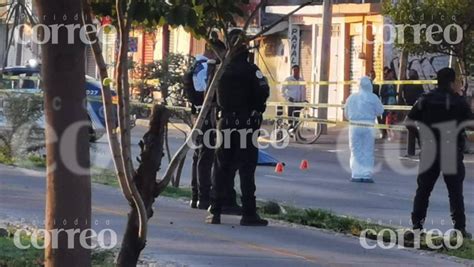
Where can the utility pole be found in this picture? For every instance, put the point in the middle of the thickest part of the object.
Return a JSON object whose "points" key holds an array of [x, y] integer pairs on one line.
{"points": [[325, 62], [21, 13], [165, 52], [166, 41]]}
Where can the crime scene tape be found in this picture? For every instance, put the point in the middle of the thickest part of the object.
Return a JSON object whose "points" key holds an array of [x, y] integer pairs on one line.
{"points": [[340, 123], [269, 117], [36, 92], [318, 106], [21, 91], [376, 82], [399, 127], [394, 82], [90, 98], [16, 77]]}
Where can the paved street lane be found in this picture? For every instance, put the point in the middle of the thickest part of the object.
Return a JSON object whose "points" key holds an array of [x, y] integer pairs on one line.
{"points": [[326, 183], [178, 236]]}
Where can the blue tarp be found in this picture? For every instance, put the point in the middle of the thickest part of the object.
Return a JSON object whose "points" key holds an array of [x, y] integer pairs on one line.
{"points": [[265, 159]]}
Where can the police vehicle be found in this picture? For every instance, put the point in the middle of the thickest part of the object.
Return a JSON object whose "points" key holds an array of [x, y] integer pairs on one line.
{"points": [[26, 79]]}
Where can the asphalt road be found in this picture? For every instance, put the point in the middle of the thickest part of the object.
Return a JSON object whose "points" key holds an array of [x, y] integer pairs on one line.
{"points": [[178, 236], [326, 183]]}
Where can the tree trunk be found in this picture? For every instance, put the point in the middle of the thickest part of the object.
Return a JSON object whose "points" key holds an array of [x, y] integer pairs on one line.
{"points": [[145, 180], [124, 18], [110, 119], [121, 80], [68, 193]]}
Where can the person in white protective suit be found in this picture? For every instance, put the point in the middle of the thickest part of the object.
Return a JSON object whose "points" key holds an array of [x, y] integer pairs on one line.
{"points": [[362, 107]]}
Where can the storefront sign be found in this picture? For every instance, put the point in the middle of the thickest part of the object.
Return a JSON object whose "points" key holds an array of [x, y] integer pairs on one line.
{"points": [[294, 45]]}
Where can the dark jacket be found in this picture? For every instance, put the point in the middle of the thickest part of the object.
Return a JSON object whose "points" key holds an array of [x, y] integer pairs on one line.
{"points": [[388, 94], [411, 93], [441, 106], [376, 90], [242, 88]]}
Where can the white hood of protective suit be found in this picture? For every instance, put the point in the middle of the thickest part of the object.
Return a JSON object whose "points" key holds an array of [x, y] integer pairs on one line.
{"points": [[365, 85], [363, 105]]}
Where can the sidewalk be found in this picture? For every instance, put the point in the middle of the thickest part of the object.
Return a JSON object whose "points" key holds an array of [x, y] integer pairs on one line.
{"points": [[178, 235]]}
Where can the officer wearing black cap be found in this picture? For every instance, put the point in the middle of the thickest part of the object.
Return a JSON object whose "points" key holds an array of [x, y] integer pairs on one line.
{"points": [[241, 98], [438, 114]]}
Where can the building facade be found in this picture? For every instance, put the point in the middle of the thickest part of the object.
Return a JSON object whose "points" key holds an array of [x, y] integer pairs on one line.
{"points": [[360, 43]]}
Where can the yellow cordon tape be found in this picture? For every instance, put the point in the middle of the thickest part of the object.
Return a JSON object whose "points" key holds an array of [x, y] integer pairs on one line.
{"points": [[318, 106], [340, 123], [25, 91], [16, 78], [376, 82], [401, 128], [267, 117], [284, 104], [396, 82], [322, 121]]}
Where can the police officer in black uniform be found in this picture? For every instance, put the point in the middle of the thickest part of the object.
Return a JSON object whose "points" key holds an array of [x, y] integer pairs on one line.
{"points": [[438, 114], [241, 98], [203, 157]]}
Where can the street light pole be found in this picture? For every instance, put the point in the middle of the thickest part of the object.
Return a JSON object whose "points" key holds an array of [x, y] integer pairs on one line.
{"points": [[325, 62]]}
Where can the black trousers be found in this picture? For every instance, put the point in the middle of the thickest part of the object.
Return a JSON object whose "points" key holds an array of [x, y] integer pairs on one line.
{"points": [[237, 152], [203, 160], [412, 139], [383, 120], [454, 183]]}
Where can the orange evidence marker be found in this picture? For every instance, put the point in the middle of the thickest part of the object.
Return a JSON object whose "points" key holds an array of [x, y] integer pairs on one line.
{"points": [[304, 165], [279, 168]]}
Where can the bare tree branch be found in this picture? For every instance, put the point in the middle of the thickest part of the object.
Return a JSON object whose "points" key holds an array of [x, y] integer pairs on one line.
{"points": [[124, 120], [179, 155], [107, 102]]}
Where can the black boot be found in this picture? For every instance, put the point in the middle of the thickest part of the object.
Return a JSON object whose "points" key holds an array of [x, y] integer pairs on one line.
{"points": [[203, 204], [233, 209], [412, 235], [193, 203], [253, 220], [213, 219], [249, 213], [417, 221]]}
